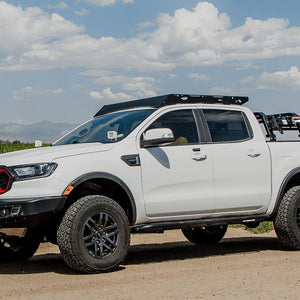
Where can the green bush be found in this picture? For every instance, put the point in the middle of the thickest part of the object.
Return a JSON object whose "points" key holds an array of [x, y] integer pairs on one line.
{"points": [[15, 146], [263, 227]]}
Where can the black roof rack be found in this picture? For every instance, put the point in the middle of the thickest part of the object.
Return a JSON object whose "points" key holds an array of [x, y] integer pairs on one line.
{"points": [[278, 122], [171, 99]]}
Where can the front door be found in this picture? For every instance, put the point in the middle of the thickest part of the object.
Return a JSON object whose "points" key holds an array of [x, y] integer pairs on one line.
{"points": [[178, 179]]}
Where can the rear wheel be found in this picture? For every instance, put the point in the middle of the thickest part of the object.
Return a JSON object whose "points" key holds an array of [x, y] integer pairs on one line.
{"points": [[287, 221], [205, 234], [94, 235], [13, 248]]}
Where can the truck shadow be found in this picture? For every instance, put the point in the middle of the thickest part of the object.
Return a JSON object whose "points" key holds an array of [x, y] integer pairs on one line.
{"points": [[150, 253]]}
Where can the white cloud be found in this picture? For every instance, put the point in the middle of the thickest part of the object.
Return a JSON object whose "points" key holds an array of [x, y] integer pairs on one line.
{"points": [[274, 80], [32, 39], [107, 95], [145, 25], [290, 78], [101, 2], [221, 90], [198, 77], [132, 87], [31, 93], [250, 79], [61, 5], [82, 12], [96, 73], [108, 2], [138, 86], [24, 30], [278, 80]]}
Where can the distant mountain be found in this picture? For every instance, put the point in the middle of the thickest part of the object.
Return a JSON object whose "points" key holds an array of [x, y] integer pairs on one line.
{"points": [[45, 131]]}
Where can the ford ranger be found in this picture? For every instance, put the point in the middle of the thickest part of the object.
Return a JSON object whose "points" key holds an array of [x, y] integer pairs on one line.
{"points": [[192, 162]]}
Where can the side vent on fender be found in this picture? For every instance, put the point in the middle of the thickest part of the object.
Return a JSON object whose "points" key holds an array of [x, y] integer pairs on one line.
{"points": [[131, 160]]}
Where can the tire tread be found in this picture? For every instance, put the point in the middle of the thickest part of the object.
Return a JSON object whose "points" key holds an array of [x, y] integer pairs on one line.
{"points": [[65, 238], [285, 227]]}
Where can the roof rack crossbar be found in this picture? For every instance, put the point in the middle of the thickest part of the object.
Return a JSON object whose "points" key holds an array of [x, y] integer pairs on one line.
{"points": [[171, 99]]}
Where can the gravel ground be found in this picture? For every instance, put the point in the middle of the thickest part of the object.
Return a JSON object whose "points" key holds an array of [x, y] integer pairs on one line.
{"points": [[166, 266]]}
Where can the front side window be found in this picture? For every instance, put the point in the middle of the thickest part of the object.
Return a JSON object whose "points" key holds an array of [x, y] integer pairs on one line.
{"points": [[108, 128], [183, 125], [226, 125]]}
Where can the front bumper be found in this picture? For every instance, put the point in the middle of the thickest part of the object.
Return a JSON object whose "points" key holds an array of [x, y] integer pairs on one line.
{"points": [[29, 212]]}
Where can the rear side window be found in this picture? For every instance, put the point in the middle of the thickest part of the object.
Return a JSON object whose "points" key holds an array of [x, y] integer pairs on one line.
{"points": [[226, 125]]}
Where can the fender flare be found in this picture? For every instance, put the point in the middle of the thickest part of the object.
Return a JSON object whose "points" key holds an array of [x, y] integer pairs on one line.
{"points": [[283, 186], [115, 179]]}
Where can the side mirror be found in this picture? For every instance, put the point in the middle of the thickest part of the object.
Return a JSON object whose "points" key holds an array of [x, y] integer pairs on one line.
{"points": [[157, 137]]}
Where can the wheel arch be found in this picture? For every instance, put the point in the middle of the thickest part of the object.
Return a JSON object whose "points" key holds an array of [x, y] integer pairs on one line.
{"points": [[105, 184], [292, 179]]}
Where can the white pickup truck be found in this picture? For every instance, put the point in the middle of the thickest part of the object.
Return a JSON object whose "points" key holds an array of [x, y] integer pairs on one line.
{"points": [[192, 162]]}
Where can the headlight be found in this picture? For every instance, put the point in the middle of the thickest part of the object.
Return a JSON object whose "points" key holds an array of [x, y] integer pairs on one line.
{"points": [[33, 171]]}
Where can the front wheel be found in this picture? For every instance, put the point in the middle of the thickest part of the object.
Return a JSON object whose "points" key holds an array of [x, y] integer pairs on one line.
{"points": [[13, 248], [287, 221], [205, 234], [94, 235]]}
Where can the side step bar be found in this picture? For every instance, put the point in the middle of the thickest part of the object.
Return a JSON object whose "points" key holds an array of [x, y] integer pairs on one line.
{"points": [[160, 227]]}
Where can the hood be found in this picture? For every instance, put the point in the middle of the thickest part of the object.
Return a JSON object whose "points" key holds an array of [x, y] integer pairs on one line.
{"points": [[48, 154]]}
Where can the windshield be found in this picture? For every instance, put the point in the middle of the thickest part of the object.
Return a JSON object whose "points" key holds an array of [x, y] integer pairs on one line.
{"points": [[108, 128]]}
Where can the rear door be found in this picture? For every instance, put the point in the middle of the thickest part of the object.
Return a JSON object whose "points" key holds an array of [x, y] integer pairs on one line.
{"points": [[241, 163]]}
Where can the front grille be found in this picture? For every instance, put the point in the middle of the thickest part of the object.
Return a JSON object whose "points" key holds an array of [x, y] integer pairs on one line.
{"points": [[5, 181]]}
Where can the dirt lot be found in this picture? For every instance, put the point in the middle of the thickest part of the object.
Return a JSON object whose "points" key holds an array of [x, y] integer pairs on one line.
{"points": [[166, 266]]}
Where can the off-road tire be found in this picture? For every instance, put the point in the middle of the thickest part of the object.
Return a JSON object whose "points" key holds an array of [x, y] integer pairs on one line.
{"points": [[287, 221], [94, 235], [205, 234], [14, 249]]}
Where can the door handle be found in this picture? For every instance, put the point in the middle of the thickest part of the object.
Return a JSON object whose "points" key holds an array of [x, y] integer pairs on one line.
{"points": [[254, 155], [200, 158]]}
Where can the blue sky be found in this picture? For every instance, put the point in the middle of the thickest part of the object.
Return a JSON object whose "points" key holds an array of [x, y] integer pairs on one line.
{"points": [[62, 60]]}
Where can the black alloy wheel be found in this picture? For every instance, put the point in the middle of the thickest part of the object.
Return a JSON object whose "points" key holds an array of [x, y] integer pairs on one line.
{"points": [[100, 235]]}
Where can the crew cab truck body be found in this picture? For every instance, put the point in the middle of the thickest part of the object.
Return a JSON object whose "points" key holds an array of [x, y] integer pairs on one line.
{"points": [[192, 162]]}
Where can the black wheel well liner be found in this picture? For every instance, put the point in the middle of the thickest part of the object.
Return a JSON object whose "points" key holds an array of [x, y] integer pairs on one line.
{"points": [[292, 179], [107, 185]]}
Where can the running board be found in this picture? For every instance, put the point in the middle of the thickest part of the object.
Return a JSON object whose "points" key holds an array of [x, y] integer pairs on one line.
{"points": [[160, 227]]}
